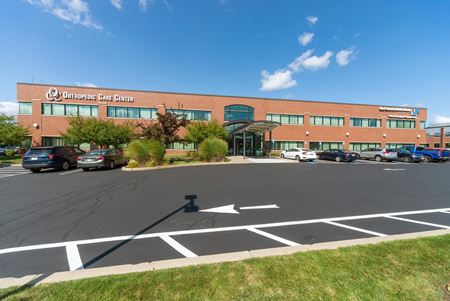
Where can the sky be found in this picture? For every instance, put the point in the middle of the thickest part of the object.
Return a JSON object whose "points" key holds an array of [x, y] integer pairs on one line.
{"points": [[374, 51]]}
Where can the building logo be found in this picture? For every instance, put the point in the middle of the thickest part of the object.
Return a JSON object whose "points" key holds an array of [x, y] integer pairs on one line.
{"points": [[53, 95]]}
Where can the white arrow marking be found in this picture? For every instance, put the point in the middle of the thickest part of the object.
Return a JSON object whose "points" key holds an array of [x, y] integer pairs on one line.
{"points": [[222, 209], [273, 206]]}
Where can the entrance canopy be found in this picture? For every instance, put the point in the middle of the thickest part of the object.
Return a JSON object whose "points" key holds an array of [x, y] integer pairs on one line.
{"points": [[260, 126]]}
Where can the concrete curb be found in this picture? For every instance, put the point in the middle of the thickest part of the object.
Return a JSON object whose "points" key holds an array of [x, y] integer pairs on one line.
{"points": [[181, 165], [210, 259]]}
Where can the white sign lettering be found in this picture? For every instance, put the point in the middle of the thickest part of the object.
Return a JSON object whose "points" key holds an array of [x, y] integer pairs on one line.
{"points": [[54, 95]]}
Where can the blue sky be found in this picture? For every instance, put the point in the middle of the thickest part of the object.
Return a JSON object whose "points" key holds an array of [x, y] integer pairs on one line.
{"points": [[380, 51]]}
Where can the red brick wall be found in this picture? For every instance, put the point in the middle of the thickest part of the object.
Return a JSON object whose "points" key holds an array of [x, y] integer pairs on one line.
{"points": [[54, 126]]}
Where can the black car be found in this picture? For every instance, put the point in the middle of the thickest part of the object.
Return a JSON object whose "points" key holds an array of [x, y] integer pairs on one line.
{"points": [[406, 156], [58, 157], [101, 158], [337, 155]]}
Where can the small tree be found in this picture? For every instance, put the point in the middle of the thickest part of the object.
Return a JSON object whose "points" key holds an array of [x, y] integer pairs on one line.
{"points": [[100, 132], [11, 133], [199, 131], [166, 129]]}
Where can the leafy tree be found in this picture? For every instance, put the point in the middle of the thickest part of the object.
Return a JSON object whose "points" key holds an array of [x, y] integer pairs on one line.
{"points": [[166, 129], [100, 132], [11, 133], [199, 131]]}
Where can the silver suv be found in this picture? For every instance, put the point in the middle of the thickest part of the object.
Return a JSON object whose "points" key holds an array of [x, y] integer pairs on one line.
{"points": [[377, 154]]}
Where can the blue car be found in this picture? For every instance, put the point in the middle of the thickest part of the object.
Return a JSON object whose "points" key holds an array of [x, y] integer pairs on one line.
{"points": [[57, 157]]}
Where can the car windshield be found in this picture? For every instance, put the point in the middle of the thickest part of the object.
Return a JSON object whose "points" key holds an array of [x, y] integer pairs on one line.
{"points": [[98, 152], [39, 151]]}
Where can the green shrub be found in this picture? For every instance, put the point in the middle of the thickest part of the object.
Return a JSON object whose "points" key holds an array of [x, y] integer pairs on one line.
{"points": [[144, 150], [10, 153], [132, 164], [275, 153], [193, 154], [157, 151], [213, 150], [151, 163]]}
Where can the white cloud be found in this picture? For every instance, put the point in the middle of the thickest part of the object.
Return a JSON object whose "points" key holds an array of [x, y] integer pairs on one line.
{"points": [[344, 56], [73, 11], [312, 19], [315, 62], [9, 108], [305, 38], [437, 119], [296, 65], [280, 79], [143, 4], [117, 4], [87, 84]]}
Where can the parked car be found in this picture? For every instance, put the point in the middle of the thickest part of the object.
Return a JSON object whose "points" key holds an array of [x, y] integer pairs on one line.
{"points": [[377, 154], [406, 156], [299, 154], [101, 158], [337, 155], [4, 148], [58, 157], [430, 154]]}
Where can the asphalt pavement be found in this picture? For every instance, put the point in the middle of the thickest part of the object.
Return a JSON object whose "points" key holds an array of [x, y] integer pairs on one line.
{"points": [[59, 221]]}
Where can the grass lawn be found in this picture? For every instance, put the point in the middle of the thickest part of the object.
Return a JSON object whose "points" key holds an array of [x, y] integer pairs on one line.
{"points": [[416, 269], [10, 160]]}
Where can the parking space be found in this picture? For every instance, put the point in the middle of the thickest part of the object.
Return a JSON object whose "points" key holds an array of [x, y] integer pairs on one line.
{"points": [[11, 171], [62, 221]]}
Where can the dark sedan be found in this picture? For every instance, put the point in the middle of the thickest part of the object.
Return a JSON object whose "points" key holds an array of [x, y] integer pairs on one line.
{"points": [[101, 158], [406, 156], [337, 155]]}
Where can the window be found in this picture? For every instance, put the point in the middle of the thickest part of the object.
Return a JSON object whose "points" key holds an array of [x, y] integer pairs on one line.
{"points": [[239, 112], [25, 108], [327, 120], [437, 145], [423, 125], [196, 115], [69, 110], [447, 134], [52, 141], [399, 145], [401, 124], [359, 146], [181, 145], [322, 146], [285, 145], [131, 112], [425, 145], [447, 145], [365, 122], [285, 119], [437, 134]]}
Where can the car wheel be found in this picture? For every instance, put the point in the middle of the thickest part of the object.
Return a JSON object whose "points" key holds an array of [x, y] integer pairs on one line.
{"points": [[406, 159], [297, 158], [35, 170], [338, 159], [427, 159], [85, 169], [378, 159], [65, 165], [282, 156], [112, 164]]}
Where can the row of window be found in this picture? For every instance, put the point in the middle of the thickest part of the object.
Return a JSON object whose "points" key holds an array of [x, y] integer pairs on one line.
{"points": [[285, 119], [285, 145], [360, 146], [401, 124], [327, 121], [365, 122], [438, 134], [69, 110], [131, 112], [196, 115]]}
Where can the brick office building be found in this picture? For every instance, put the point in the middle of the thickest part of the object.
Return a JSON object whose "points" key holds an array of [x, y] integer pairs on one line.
{"points": [[260, 122], [438, 136]]}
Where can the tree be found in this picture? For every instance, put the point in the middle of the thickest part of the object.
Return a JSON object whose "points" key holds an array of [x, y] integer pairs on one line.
{"points": [[199, 131], [100, 132], [11, 133], [166, 129]]}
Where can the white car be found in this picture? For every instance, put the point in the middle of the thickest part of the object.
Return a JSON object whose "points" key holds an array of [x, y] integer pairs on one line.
{"points": [[299, 154]]}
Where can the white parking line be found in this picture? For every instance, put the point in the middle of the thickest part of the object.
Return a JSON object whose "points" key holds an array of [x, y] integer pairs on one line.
{"points": [[177, 246], [213, 230], [69, 172], [73, 257], [355, 228], [443, 211], [418, 222], [273, 206], [273, 237], [394, 169]]}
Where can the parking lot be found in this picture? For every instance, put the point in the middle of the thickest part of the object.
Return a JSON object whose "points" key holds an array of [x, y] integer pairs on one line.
{"points": [[60, 221]]}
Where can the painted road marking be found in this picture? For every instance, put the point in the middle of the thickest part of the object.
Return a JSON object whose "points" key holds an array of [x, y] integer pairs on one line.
{"points": [[177, 246], [212, 230], [273, 237], [222, 209], [443, 211], [355, 228], [13, 171], [418, 222], [69, 172], [394, 169], [73, 257], [273, 206]]}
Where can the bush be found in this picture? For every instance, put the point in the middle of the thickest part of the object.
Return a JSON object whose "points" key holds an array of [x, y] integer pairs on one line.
{"points": [[132, 164], [213, 150], [144, 150], [10, 153], [275, 153], [151, 163]]}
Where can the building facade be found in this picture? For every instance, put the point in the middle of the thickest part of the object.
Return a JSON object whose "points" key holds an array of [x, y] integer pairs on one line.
{"points": [[45, 110], [438, 136]]}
